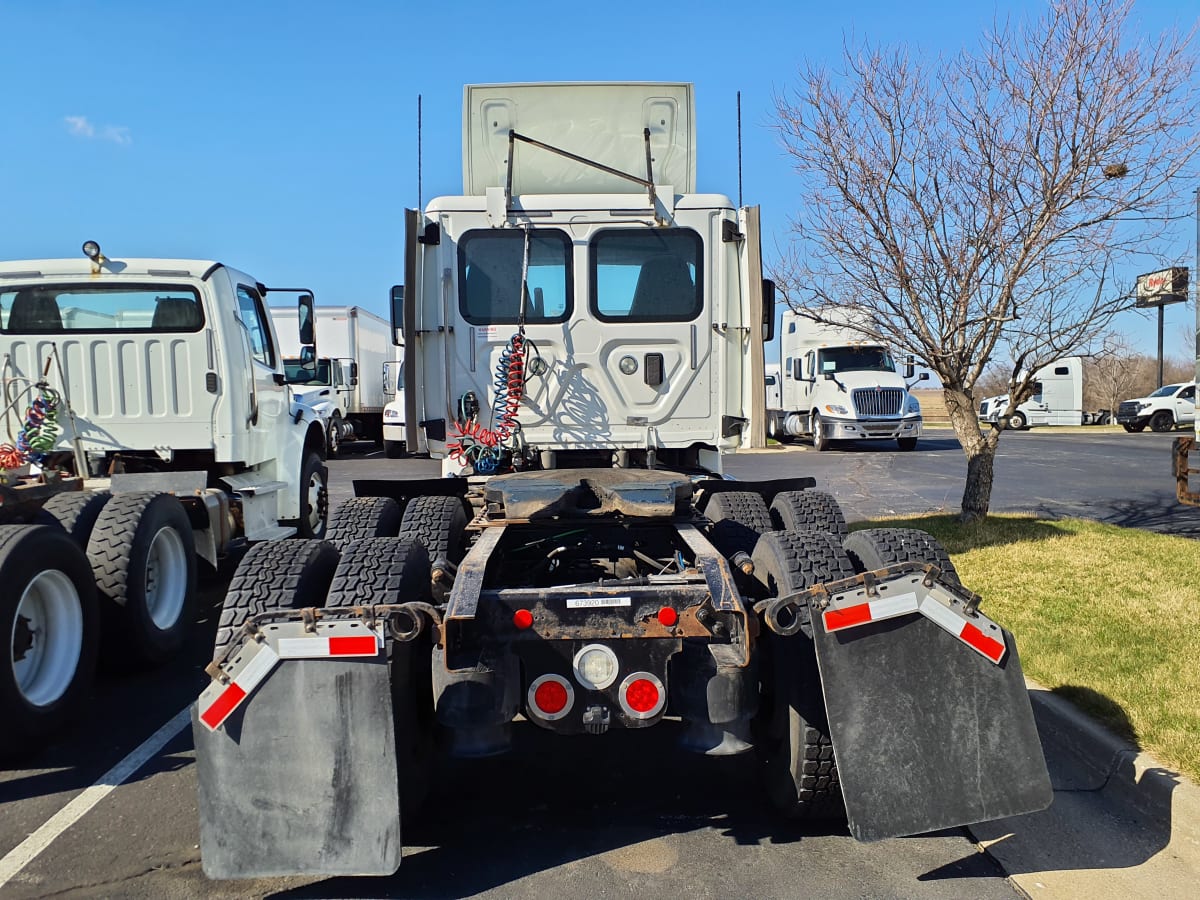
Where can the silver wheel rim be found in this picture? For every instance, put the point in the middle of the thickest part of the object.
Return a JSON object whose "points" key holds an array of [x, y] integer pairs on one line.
{"points": [[335, 439], [166, 578], [316, 490], [48, 630], [818, 434]]}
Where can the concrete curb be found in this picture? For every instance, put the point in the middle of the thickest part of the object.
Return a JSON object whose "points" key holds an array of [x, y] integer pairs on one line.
{"points": [[1104, 761], [1121, 824]]}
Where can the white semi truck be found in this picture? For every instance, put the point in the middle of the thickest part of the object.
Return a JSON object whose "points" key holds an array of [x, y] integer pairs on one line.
{"points": [[1057, 399], [836, 385], [583, 343], [351, 373], [149, 424]]}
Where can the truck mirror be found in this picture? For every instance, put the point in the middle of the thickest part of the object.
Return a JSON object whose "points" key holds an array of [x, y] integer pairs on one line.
{"points": [[308, 358], [924, 376], [909, 367], [768, 302], [307, 316], [397, 306], [353, 374]]}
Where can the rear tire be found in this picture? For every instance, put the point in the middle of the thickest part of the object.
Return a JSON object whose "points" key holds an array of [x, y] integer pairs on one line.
{"points": [[387, 570], [364, 517], [1017, 421], [76, 512], [275, 575], [1162, 421], [51, 627], [438, 524], [875, 548], [739, 518], [792, 728], [143, 556], [808, 511]]}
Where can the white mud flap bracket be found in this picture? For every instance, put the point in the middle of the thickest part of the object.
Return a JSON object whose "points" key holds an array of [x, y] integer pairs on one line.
{"points": [[296, 754], [928, 711]]}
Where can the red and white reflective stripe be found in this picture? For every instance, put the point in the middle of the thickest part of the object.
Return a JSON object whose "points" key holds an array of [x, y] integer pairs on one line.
{"points": [[324, 647], [964, 630], [993, 648], [875, 611], [232, 695]]}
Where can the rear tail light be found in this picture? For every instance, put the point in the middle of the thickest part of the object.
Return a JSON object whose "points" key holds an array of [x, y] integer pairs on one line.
{"points": [[550, 697], [642, 695]]}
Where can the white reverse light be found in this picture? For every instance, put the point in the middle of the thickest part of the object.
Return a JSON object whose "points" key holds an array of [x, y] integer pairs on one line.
{"points": [[595, 667]]}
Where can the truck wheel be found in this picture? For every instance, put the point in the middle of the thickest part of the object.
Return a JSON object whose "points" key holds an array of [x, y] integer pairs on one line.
{"points": [[738, 518], [364, 517], [875, 548], [820, 442], [1162, 421], [1017, 421], [808, 511], [333, 437], [437, 523], [792, 728], [387, 570], [76, 512], [906, 443], [314, 498], [275, 575], [50, 622], [393, 449], [143, 555]]}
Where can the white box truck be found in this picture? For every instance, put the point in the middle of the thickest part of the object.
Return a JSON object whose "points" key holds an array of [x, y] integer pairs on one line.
{"points": [[836, 385], [1057, 399], [356, 345]]}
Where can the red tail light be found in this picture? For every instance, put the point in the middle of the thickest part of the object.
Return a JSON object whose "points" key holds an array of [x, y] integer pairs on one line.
{"points": [[642, 695], [550, 697]]}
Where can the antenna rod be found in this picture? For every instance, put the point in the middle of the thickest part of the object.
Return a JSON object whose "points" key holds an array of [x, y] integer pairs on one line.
{"points": [[420, 205], [739, 132]]}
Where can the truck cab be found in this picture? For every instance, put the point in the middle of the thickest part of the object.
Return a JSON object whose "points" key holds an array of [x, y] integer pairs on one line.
{"points": [[167, 366], [1057, 398], [632, 333], [838, 386]]}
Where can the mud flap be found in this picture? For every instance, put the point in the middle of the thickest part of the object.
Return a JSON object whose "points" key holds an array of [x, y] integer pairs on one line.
{"points": [[301, 779], [927, 733]]}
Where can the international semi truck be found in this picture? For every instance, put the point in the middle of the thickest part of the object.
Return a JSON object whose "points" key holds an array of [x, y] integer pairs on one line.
{"points": [[584, 337], [837, 385]]}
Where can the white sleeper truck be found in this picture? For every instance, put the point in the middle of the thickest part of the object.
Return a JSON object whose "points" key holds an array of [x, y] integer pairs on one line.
{"points": [[351, 374], [583, 342], [1057, 399], [149, 424], [836, 385]]}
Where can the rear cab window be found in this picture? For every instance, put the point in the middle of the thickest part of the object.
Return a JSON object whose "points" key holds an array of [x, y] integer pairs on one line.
{"points": [[490, 264], [643, 275]]}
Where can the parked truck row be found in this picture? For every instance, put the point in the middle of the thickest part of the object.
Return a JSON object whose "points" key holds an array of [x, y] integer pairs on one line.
{"points": [[150, 425], [580, 326]]}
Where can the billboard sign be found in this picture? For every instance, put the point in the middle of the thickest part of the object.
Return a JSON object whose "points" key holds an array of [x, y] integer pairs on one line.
{"points": [[1162, 287]]}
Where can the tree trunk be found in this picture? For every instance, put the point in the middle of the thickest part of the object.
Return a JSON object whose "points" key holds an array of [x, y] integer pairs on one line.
{"points": [[980, 449]]}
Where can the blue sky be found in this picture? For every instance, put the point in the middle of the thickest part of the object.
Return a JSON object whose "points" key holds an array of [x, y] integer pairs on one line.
{"points": [[281, 138]]}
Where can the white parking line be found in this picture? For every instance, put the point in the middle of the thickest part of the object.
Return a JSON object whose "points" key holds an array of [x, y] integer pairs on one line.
{"points": [[29, 849]]}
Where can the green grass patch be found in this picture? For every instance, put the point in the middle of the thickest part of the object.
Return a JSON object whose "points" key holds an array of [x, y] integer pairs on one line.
{"points": [[1107, 617]]}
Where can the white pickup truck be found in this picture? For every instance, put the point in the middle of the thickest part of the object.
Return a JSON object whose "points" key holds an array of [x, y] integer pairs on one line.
{"points": [[1167, 408]]}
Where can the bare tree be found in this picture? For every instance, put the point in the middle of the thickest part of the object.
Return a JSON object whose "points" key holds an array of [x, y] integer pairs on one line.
{"points": [[958, 207]]}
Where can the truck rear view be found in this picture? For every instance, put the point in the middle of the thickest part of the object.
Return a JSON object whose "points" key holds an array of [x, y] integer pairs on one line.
{"points": [[579, 330]]}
